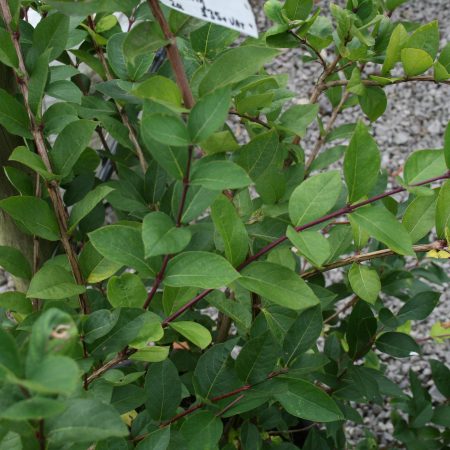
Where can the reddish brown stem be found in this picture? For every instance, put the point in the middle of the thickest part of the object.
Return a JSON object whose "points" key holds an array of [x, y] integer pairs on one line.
{"points": [[157, 282], [173, 55], [345, 210]]}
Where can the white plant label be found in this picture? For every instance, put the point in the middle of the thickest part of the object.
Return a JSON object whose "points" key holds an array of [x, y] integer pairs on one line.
{"points": [[234, 14]]}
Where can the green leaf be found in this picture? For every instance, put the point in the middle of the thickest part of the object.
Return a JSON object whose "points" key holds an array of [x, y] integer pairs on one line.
{"points": [[311, 244], [171, 158], [16, 302], [393, 51], [278, 284], [8, 55], [9, 356], [209, 114], [151, 354], [211, 38], [302, 334], [373, 102], [361, 164], [415, 61], [123, 245], [200, 269], [194, 332], [426, 38], [202, 431], [213, 373], [419, 217], [51, 33], [162, 390], [13, 116], [143, 38], [35, 408], [161, 236], [126, 291], [166, 129], [234, 65], [442, 210], [34, 215], [54, 374], [424, 164], [298, 9], [303, 399], [37, 83], [441, 375], [52, 282], [13, 261], [32, 160], [160, 90], [383, 226], [82, 208], [297, 118], [231, 229], [257, 358], [75, 424], [70, 144], [219, 175], [447, 145], [314, 197], [262, 152], [419, 307], [365, 282], [156, 440], [399, 345]]}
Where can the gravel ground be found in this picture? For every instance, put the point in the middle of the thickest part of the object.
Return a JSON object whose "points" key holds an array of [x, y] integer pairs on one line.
{"points": [[415, 118]]}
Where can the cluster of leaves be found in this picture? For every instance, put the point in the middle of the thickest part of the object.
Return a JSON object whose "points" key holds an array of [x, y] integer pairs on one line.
{"points": [[186, 321]]}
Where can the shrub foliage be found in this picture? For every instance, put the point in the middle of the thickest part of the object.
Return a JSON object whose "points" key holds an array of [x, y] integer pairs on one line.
{"points": [[202, 276]]}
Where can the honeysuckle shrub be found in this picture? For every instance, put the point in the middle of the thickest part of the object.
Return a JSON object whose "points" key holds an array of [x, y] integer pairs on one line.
{"points": [[190, 289]]}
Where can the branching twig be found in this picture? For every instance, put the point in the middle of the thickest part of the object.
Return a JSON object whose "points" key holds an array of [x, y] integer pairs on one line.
{"points": [[438, 245], [340, 212], [38, 137], [368, 82]]}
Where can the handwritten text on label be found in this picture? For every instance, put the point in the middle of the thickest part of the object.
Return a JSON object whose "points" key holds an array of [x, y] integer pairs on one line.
{"points": [[234, 14]]}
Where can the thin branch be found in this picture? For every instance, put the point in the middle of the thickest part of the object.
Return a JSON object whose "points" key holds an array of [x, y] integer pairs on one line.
{"points": [[321, 141], [368, 82], [157, 282], [306, 44], [348, 305], [123, 115], [173, 55], [250, 118], [438, 245], [340, 212], [432, 338], [295, 430], [38, 137]]}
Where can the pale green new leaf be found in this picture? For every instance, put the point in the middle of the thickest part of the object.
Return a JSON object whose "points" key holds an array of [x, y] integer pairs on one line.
{"points": [[194, 332]]}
